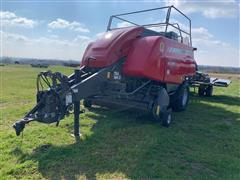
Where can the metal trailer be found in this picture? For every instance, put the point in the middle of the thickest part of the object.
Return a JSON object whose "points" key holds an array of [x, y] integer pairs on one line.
{"points": [[135, 67]]}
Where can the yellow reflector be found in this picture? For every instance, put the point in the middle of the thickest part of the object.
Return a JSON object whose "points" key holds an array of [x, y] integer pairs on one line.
{"points": [[158, 110], [108, 75]]}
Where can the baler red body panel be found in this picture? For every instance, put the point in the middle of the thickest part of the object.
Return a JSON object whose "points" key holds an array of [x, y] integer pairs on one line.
{"points": [[153, 57], [111, 47], [160, 59]]}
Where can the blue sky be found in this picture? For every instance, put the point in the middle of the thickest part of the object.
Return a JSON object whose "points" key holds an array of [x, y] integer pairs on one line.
{"points": [[62, 30]]}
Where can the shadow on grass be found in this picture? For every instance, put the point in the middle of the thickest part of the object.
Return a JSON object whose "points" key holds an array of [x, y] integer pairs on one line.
{"points": [[223, 99], [228, 100], [120, 143]]}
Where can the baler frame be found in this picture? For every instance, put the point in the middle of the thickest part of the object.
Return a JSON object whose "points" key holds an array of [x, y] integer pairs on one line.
{"points": [[65, 92]]}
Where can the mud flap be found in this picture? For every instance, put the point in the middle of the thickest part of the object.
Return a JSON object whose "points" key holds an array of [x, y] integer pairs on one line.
{"points": [[163, 98], [160, 104]]}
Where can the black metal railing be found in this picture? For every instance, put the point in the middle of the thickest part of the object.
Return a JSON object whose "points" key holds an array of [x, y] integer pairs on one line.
{"points": [[167, 24]]}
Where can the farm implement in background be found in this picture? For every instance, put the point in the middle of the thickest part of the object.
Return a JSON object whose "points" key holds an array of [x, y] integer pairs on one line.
{"points": [[143, 66]]}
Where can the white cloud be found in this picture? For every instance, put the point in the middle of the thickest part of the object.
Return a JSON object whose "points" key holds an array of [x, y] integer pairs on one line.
{"points": [[7, 15], [64, 24], [13, 37], [82, 39], [124, 24], [51, 47], [157, 28], [201, 33], [210, 9], [212, 51], [59, 24], [11, 19], [100, 34], [81, 29]]}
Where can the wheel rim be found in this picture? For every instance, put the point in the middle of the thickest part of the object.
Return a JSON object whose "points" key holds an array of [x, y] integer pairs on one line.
{"points": [[185, 97]]}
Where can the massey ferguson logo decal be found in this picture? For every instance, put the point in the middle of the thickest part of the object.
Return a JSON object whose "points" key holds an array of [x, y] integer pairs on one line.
{"points": [[180, 51], [161, 47]]}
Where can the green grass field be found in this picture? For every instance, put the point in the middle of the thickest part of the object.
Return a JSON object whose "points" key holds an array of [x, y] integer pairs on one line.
{"points": [[202, 143]]}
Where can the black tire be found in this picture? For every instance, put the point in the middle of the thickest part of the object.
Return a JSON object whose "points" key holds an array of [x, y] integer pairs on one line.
{"points": [[87, 103], [166, 118], [201, 90], [181, 98], [209, 90]]}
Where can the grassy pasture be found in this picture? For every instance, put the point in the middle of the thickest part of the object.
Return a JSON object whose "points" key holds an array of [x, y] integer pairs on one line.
{"points": [[202, 143]]}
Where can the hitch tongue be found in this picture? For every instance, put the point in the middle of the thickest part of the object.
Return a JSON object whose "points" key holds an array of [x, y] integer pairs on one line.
{"points": [[20, 125]]}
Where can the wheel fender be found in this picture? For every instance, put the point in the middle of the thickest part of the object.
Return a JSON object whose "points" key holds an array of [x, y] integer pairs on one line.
{"points": [[163, 98], [160, 104]]}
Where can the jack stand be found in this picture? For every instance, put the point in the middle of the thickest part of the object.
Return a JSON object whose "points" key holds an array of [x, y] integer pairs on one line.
{"points": [[76, 133], [76, 118]]}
